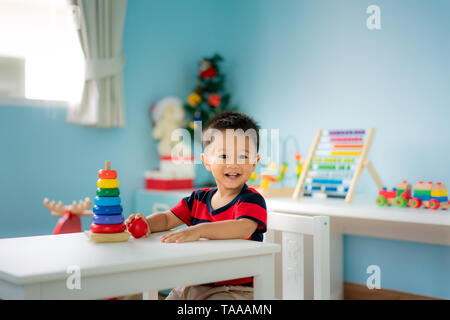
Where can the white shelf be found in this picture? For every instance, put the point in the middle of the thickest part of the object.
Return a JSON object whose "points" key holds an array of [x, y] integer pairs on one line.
{"points": [[363, 207]]}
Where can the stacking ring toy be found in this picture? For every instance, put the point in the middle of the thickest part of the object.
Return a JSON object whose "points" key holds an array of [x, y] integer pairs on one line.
{"points": [[108, 219], [107, 183], [107, 174], [108, 228], [114, 192], [107, 209], [107, 201]]}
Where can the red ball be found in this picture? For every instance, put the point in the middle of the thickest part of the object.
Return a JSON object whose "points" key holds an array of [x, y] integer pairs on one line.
{"points": [[138, 228]]}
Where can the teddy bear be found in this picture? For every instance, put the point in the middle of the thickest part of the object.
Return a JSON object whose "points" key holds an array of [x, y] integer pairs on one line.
{"points": [[168, 116]]}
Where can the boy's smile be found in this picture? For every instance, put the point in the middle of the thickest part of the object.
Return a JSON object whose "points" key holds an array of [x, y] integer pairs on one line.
{"points": [[232, 176]]}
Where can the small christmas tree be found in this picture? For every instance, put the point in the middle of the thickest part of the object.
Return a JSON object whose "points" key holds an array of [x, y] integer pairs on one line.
{"points": [[209, 96]]}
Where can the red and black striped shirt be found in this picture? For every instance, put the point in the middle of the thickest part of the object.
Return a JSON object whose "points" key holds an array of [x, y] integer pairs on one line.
{"points": [[249, 204]]}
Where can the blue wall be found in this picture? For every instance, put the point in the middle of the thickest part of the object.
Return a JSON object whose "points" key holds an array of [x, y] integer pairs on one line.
{"points": [[310, 64], [294, 65], [303, 65], [404, 266]]}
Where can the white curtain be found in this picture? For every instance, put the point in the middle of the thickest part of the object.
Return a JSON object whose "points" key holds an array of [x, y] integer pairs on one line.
{"points": [[100, 29]]}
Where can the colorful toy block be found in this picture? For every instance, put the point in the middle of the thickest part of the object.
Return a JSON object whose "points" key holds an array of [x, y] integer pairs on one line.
{"points": [[432, 196], [398, 196]]}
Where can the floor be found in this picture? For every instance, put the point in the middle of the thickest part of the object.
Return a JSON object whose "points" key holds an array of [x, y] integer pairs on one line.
{"points": [[354, 291]]}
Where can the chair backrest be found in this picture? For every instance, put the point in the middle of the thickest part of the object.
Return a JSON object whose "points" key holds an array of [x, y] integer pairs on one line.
{"points": [[293, 227]]}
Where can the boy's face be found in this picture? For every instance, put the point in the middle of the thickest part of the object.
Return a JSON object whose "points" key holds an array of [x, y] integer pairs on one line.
{"points": [[231, 157]]}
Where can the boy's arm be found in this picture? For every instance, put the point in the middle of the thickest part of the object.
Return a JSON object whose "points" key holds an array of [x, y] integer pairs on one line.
{"points": [[160, 221], [163, 221], [229, 229]]}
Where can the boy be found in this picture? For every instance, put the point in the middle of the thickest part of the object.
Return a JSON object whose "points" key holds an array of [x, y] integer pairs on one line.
{"points": [[231, 210]]}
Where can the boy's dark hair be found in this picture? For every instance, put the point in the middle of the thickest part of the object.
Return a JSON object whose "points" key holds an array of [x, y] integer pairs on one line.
{"points": [[231, 120]]}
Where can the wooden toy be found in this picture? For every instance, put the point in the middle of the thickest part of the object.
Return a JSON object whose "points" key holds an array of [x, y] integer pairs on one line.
{"points": [[253, 177], [269, 174], [267, 178], [70, 220], [399, 196], [108, 222], [335, 163], [109, 237], [138, 228], [298, 164], [428, 195]]}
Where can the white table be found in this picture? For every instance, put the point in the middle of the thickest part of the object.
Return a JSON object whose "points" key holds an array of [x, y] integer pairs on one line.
{"points": [[364, 217], [39, 267]]}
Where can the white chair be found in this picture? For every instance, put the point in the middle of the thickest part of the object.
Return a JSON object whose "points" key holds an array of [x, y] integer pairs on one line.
{"points": [[293, 227]]}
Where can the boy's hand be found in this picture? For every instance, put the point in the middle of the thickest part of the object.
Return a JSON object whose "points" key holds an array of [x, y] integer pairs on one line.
{"points": [[138, 216], [182, 235]]}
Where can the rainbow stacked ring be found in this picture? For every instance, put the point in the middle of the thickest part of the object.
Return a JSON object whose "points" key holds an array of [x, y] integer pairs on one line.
{"points": [[108, 217]]}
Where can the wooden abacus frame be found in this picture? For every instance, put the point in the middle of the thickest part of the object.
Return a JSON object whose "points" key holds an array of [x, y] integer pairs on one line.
{"points": [[362, 163]]}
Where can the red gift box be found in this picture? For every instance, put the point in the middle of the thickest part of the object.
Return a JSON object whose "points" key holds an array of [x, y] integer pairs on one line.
{"points": [[173, 184]]}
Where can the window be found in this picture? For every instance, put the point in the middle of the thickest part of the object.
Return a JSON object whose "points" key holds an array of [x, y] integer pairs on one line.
{"points": [[40, 54]]}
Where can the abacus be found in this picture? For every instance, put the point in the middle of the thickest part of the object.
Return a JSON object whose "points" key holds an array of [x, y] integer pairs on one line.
{"points": [[335, 163], [108, 221]]}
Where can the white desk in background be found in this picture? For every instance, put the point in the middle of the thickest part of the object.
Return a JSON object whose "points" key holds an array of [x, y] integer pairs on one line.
{"points": [[37, 267], [363, 217]]}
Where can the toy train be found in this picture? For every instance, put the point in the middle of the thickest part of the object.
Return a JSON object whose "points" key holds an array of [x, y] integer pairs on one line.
{"points": [[429, 195]]}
